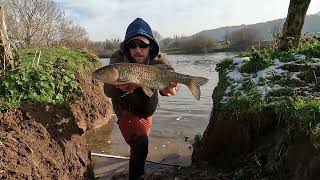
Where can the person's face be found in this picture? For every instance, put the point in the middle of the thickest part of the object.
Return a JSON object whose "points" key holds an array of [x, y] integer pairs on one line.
{"points": [[139, 51]]}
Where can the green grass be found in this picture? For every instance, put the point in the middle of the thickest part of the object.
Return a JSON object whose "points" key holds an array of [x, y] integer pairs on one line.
{"points": [[257, 62], [53, 80], [222, 68], [309, 47], [302, 113], [197, 141]]}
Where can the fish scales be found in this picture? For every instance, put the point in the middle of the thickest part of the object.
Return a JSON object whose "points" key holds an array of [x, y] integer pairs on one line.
{"points": [[147, 76]]}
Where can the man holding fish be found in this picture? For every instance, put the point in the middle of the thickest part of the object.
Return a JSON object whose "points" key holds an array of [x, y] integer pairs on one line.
{"points": [[132, 80]]}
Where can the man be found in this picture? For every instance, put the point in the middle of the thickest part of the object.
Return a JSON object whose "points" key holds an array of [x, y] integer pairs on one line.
{"points": [[133, 108]]}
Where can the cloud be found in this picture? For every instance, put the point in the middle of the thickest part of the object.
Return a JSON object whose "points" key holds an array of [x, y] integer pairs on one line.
{"points": [[110, 18]]}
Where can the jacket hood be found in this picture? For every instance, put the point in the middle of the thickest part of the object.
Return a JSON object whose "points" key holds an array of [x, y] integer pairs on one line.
{"points": [[141, 28]]}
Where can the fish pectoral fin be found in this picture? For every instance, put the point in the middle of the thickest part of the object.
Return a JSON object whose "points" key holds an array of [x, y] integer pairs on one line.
{"points": [[147, 91]]}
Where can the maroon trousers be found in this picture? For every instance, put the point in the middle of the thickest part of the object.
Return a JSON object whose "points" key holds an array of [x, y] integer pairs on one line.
{"points": [[133, 127], [135, 131]]}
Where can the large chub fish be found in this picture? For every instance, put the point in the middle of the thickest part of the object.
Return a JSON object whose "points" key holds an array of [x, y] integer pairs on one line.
{"points": [[148, 77]]}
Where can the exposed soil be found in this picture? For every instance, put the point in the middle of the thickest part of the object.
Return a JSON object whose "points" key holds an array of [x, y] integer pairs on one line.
{"points": [[94, 109], [230, 134], [44, 141]]}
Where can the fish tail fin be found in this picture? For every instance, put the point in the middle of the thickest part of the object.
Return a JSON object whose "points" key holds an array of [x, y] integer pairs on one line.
{"points": [[194, 85]]}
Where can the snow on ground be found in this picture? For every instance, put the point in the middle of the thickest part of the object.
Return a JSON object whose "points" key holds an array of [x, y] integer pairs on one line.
{"points": [[236, 78], [299, 57], [240, 61], [269, 71]]}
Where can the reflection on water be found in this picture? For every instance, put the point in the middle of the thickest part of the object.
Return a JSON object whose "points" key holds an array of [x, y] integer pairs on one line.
{"points": [[175, 119]]}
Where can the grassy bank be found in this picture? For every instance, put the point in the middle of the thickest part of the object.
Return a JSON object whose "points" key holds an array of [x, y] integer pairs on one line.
{"points": [[287, 83], [53, 80], [220, 47], [216, 50]]}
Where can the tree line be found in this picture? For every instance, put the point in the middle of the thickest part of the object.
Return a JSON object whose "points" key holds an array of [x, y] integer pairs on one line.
{"points": [[245, 38], [241, 39], [42, 23]]}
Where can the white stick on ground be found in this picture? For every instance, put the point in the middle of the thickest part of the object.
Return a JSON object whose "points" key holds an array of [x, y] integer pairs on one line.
{"points": [[39, 58], [34, 58], [109, 156], [127, 158]]}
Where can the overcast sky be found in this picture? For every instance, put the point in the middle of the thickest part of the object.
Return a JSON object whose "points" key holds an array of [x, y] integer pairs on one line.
{"points": [[110, 18]]}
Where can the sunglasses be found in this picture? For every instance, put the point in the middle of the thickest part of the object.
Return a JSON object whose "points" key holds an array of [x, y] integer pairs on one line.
{"points": [[140, 45]]}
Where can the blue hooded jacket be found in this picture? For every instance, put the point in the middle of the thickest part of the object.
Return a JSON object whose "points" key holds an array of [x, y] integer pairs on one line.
{"points": [[141, 28], [137, 102]]}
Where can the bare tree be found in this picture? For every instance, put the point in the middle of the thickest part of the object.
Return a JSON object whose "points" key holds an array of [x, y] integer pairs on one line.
{"points": [[157, 35], [115, 43], [226, 37], [294, 23], [107, 44], [166, 42], [275, 33], [29, 16], [71, 34], [42, 23], [197, 44], [244, 38], [7, 61], [105, 48], [54, 17]]}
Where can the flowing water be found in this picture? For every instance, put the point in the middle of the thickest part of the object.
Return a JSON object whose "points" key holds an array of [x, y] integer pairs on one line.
{"points": [[176, 121]]}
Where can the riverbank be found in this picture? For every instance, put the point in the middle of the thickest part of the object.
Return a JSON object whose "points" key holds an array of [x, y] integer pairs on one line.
{"points": [[266, 109], [46, 106], [177, 51], [263, 125], [264, 121], [219, 47], [176, 119]]}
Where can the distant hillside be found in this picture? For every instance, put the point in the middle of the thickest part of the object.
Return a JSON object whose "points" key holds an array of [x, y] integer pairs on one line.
{"points": [[312, 24]]}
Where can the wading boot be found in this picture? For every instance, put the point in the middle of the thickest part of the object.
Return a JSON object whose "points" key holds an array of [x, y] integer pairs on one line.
{"points": [[138, 156]]}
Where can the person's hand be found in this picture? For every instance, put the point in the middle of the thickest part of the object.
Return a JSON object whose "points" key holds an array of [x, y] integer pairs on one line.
{"points": [[171, 90], [127, 87]]}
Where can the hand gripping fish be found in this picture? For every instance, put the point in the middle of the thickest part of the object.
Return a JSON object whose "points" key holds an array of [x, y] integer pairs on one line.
{"points": [[149, 77]]}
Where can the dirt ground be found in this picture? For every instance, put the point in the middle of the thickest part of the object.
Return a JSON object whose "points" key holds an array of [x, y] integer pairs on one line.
{"points": [[118, 170], [94, 109], [44, 141]]}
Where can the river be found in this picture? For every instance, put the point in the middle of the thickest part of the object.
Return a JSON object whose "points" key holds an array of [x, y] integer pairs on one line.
{"points": [[177, 119]]}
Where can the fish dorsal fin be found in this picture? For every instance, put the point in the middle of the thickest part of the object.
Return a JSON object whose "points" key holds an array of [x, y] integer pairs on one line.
{"points": [[162, 66], [147, 91]]}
